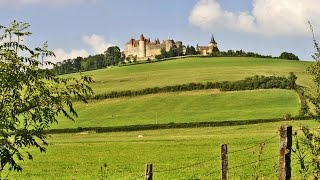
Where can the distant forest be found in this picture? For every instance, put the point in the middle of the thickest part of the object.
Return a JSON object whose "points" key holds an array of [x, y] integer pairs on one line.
{"points": [[113, 57]]}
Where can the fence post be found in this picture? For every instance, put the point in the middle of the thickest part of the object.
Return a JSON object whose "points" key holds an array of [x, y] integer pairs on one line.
{"points": [[285, 152], [149, 172], [224, 162]]}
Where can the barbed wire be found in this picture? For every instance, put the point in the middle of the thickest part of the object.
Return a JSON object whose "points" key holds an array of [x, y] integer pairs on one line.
{"points": [[253, 162], [253, 146], [211, 159], [188, 166]]}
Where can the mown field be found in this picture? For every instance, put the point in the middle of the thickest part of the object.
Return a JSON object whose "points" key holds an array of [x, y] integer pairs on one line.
{"points": [[79, 156], [192, 153], [193, 69], [182, 107]]}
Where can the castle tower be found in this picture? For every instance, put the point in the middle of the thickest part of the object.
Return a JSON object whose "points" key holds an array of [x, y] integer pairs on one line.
{"points": [[179, 44], [212, 43], [142, 47], [169, 44]]}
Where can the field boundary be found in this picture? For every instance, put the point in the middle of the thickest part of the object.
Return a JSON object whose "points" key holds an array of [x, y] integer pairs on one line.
{"points": [[172, 125]]}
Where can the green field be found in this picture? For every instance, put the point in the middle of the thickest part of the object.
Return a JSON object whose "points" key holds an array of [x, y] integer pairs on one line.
{"points": [[181, 107], [79, 156], [193, 69], [193, 152]]}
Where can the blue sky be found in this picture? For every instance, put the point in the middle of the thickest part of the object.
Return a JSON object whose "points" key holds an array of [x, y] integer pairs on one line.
{"points": [[82, 27]]}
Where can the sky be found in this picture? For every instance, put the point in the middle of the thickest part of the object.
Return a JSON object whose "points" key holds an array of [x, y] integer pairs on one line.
{"points": [[86, 27]]}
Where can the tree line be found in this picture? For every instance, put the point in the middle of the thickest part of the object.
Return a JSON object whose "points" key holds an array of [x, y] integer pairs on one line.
{"points": [[113, 56]]}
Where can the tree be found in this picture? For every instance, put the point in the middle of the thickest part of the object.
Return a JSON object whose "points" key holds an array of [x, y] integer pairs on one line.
{"points": [[113, 55], [77, 63], [309, 144], [31, 97], [289, 56], [164, 53], [193, 51]]}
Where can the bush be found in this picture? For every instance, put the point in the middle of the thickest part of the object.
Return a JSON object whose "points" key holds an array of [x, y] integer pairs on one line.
{"points": [[249, 83]]}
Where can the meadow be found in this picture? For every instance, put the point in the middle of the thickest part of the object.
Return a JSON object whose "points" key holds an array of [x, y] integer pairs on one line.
{"points": [[175, 153], [194, 69], [191, 153], [184, 107]]}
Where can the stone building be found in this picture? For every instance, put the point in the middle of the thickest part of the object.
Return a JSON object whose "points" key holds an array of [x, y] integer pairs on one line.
{"points": [[206, 50], [143, 48]]}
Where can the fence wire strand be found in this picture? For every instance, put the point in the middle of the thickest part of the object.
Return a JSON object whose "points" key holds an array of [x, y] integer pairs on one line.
{"points": [[253, 146], [188, 166]]}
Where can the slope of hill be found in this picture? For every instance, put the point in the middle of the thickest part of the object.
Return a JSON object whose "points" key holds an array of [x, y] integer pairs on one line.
{"points": [[181, 71], [194, 106]]}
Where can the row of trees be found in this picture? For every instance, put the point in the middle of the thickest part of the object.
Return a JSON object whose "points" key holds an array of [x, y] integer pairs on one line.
{"points": [[241, 53], [112, 56], [249, 83]]}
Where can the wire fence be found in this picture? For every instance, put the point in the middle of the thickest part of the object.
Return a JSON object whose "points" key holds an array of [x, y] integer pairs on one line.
{"points": [[214, 160]]}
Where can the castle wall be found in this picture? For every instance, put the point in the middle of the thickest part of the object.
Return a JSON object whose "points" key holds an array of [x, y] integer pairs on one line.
{"points": [[144, 48], [153, 50], [131, 51]]}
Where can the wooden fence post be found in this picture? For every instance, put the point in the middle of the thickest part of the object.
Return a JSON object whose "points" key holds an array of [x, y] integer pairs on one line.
{"points": [[149, 172], [285, 152], [224, 162]]}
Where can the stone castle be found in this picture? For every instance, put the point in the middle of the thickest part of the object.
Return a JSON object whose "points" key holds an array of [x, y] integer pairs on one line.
{"points": [[143, 48]]}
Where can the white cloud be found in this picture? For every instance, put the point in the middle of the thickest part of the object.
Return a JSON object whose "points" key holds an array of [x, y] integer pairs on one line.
{"points": [[22, 3], [97, 43], [61, 55], [268, 17]]}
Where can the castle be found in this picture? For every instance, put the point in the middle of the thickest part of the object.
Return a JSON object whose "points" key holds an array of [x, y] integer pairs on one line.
{"points": [[206, 50], [143, 48]]}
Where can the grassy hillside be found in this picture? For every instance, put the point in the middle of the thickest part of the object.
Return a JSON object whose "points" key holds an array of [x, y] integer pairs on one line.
{"points": [[79, 156], [192, 70], [194, 106]]}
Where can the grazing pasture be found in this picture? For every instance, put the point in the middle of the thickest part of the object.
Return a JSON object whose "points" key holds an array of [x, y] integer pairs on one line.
{"points": [[193, 69], [184, 107], [194, 153]]}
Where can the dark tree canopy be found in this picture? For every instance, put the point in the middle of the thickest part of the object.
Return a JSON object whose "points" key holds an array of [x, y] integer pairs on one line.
{"points": [[113, 55], [289, 56], [31, 97]]}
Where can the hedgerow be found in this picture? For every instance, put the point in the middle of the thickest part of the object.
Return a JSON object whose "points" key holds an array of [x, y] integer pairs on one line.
{"points": [[249, 83]]}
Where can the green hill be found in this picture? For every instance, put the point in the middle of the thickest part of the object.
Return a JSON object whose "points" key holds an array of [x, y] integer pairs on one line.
{"points": [[181, 71], [194, 106]]}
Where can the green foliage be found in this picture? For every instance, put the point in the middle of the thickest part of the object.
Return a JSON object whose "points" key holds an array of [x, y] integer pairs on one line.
{"points": [[190, 50], [113, 56], [237, 53], [308, 147], [307, 152], [30, 97], [164, 53], [249, 83], [289, 56]]}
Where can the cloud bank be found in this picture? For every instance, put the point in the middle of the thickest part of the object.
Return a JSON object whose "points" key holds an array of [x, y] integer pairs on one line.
{"points": [[268, 17], [97, 44]]}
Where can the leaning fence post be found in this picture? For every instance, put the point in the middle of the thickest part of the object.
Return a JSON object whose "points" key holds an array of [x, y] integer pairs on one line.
{"points": [[285, 152], [148, 172], [224, 162]]}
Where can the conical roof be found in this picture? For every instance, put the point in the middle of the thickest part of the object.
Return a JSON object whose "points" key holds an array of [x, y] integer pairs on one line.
{"points": [[212, 40]]}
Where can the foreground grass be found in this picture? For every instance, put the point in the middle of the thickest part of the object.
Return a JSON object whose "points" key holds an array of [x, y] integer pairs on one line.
{"points": [[79, 156], [184, 107], [193, 69]]}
